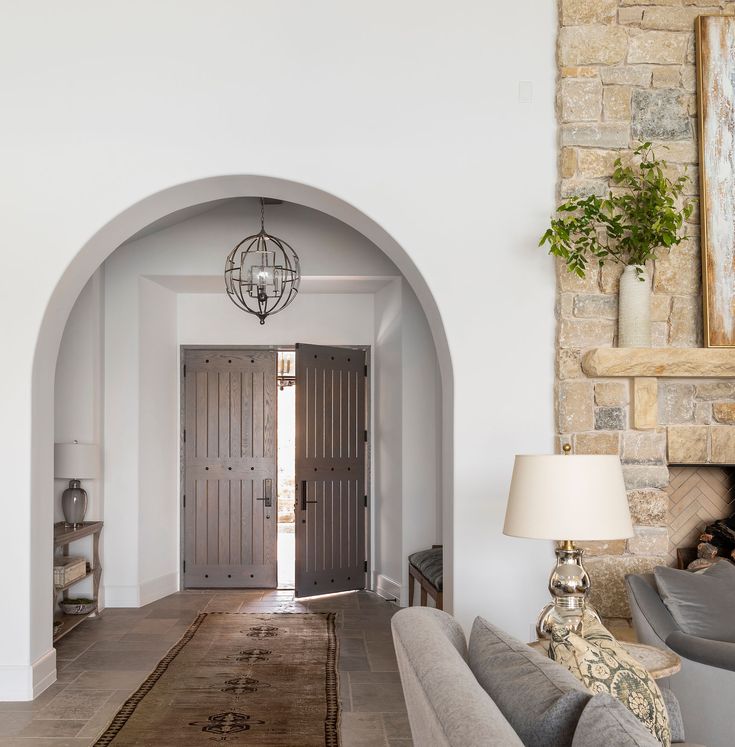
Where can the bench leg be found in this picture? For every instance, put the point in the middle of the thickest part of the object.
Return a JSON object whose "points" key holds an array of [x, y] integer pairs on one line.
{"points": [[440, 601], [424, 600], [410, 587]]}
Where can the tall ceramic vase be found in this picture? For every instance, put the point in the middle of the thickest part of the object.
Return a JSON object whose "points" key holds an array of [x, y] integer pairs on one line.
{"points": [[634, 308]]}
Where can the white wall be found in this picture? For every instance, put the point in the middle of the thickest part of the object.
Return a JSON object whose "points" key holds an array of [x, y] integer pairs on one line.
{"points": [[422, 473], [79, 402], [402, 119], [315, 318], [407, 445], [79, 384], [158, 443], [388, 442]]}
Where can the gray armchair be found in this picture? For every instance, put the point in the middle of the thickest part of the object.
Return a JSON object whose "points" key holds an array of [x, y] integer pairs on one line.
{"points": [[705, 687]]}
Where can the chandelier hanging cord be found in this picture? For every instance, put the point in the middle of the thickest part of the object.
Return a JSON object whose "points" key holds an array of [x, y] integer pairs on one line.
{"points": [[262, 273]]}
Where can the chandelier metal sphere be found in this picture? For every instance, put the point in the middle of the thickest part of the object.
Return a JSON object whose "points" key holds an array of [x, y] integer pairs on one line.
{"points": [[262, 273]]}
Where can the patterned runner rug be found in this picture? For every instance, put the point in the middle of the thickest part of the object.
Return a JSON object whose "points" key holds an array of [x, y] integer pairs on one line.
{"points": [[242, 679]]}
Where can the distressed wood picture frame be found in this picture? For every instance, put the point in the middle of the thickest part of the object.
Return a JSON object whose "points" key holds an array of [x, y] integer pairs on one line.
{"points": [[715, 37]]}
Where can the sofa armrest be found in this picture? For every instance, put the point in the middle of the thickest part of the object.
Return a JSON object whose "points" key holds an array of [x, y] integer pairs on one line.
{"points": [[652, 620], [676, 723], [720, 654]]}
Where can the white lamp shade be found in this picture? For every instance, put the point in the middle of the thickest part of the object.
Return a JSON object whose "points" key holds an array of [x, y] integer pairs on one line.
{"points": [[76, 461], [572, 497]]}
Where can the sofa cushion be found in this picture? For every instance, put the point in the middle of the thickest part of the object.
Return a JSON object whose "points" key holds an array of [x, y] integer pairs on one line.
{"points": [[603, 666], [702, 604], [431, 565], [606, 722], [541, 700]]}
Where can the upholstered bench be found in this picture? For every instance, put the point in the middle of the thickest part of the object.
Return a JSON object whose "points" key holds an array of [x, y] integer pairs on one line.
{"points": [[427, 567]]}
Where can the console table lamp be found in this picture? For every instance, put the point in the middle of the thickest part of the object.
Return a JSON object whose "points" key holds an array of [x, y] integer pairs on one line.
{"points": [[563, 498], [75, 462]]}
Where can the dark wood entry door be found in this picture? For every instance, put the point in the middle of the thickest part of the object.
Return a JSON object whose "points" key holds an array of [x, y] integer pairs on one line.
{"points": [[230, 502], [331, 498]]}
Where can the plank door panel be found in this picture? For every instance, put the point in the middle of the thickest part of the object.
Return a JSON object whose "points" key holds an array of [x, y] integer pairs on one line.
{"points": [[330, 470], [230, 469]]}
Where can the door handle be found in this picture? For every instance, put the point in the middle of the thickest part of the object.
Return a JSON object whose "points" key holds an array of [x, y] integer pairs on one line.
{"points": [[267, 492], [303, 496]]}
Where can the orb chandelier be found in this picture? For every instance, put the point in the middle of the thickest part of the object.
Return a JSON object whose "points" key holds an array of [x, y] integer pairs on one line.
{"points": [[262, 273]]}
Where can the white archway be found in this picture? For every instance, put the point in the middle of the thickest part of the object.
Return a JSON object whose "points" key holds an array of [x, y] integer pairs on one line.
{"points": [[96, 250]]}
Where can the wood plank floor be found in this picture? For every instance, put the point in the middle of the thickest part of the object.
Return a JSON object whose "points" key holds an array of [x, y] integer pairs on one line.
{"points": [[103, 661]]}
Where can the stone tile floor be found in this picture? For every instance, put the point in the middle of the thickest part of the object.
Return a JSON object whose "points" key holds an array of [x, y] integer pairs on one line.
{"points": [[103, 661]]}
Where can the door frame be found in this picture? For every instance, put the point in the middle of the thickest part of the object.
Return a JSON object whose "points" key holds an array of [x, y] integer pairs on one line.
{"points": [[368, 351]]}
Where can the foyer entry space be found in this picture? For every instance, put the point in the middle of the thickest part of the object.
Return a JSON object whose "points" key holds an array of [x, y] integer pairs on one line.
{"points": [[102, 663], [162, 293]]}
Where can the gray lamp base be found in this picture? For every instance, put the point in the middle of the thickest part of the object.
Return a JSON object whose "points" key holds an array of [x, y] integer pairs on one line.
{"points": [[74, 503]]}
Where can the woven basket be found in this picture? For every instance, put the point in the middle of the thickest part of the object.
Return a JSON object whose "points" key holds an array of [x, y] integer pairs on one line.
{"points": [[77, 609], [68, 569]]}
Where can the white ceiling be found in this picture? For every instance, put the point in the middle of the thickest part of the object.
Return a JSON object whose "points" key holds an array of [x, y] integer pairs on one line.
{"points": [[178, 216]]}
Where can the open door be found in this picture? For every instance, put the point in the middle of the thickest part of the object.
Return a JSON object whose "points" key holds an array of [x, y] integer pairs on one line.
{"points": [[331, 497], [229, 468]]}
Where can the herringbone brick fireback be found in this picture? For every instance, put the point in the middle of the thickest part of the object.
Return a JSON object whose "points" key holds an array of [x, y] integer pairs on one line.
{"points": [[697, 496]]}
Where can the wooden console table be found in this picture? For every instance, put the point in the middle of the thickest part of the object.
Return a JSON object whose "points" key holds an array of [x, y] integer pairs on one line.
{"points": [[64, 534]]}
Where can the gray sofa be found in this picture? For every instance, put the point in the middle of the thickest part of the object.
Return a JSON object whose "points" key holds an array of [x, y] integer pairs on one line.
{"points": [[498, 691], [705, 687]]}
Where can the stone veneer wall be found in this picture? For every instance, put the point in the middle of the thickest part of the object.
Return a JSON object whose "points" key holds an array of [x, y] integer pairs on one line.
{"points": [[627, 75]]}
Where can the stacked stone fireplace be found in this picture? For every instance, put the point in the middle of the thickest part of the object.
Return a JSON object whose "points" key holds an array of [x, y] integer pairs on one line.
{"points": [[627, 75]]}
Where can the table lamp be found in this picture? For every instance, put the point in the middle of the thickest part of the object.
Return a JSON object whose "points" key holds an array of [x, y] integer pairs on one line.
{"points": [[563, 498], [75, 462]]}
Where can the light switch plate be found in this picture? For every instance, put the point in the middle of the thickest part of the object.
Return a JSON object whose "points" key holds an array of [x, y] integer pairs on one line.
{"points": [[525, 92]]}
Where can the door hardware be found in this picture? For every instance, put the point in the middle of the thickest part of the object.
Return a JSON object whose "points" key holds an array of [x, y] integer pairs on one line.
{"points": [[303, 496], [267, 492]]}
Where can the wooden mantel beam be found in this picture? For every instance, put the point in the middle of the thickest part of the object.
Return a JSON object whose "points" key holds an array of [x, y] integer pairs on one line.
{"points": [[700, 363]]}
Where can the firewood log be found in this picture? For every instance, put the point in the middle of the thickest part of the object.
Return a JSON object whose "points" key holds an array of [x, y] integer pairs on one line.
{"points": [[706, 551]]}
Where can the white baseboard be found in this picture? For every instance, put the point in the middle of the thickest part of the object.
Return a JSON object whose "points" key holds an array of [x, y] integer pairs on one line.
{"points": [[122, 596], [44, 672], [388, 588], [158, 588], [145, 593], [25, 682]]}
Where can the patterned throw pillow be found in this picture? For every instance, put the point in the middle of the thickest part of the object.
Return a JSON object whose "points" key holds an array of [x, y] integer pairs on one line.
{"points": [[604, 666]]}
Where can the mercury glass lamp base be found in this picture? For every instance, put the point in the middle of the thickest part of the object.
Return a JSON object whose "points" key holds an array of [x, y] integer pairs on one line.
{"points": [[569, 585], [572, 619]]}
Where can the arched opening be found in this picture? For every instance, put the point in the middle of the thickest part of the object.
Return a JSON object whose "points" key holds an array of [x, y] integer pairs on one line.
{"points": [[137, 218]]}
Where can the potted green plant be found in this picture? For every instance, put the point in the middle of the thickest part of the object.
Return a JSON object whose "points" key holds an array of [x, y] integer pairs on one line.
{"points": [[641, 215]]}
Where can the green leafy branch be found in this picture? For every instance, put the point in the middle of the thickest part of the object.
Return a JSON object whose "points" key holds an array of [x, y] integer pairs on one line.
{"points": [[630, 225]]}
